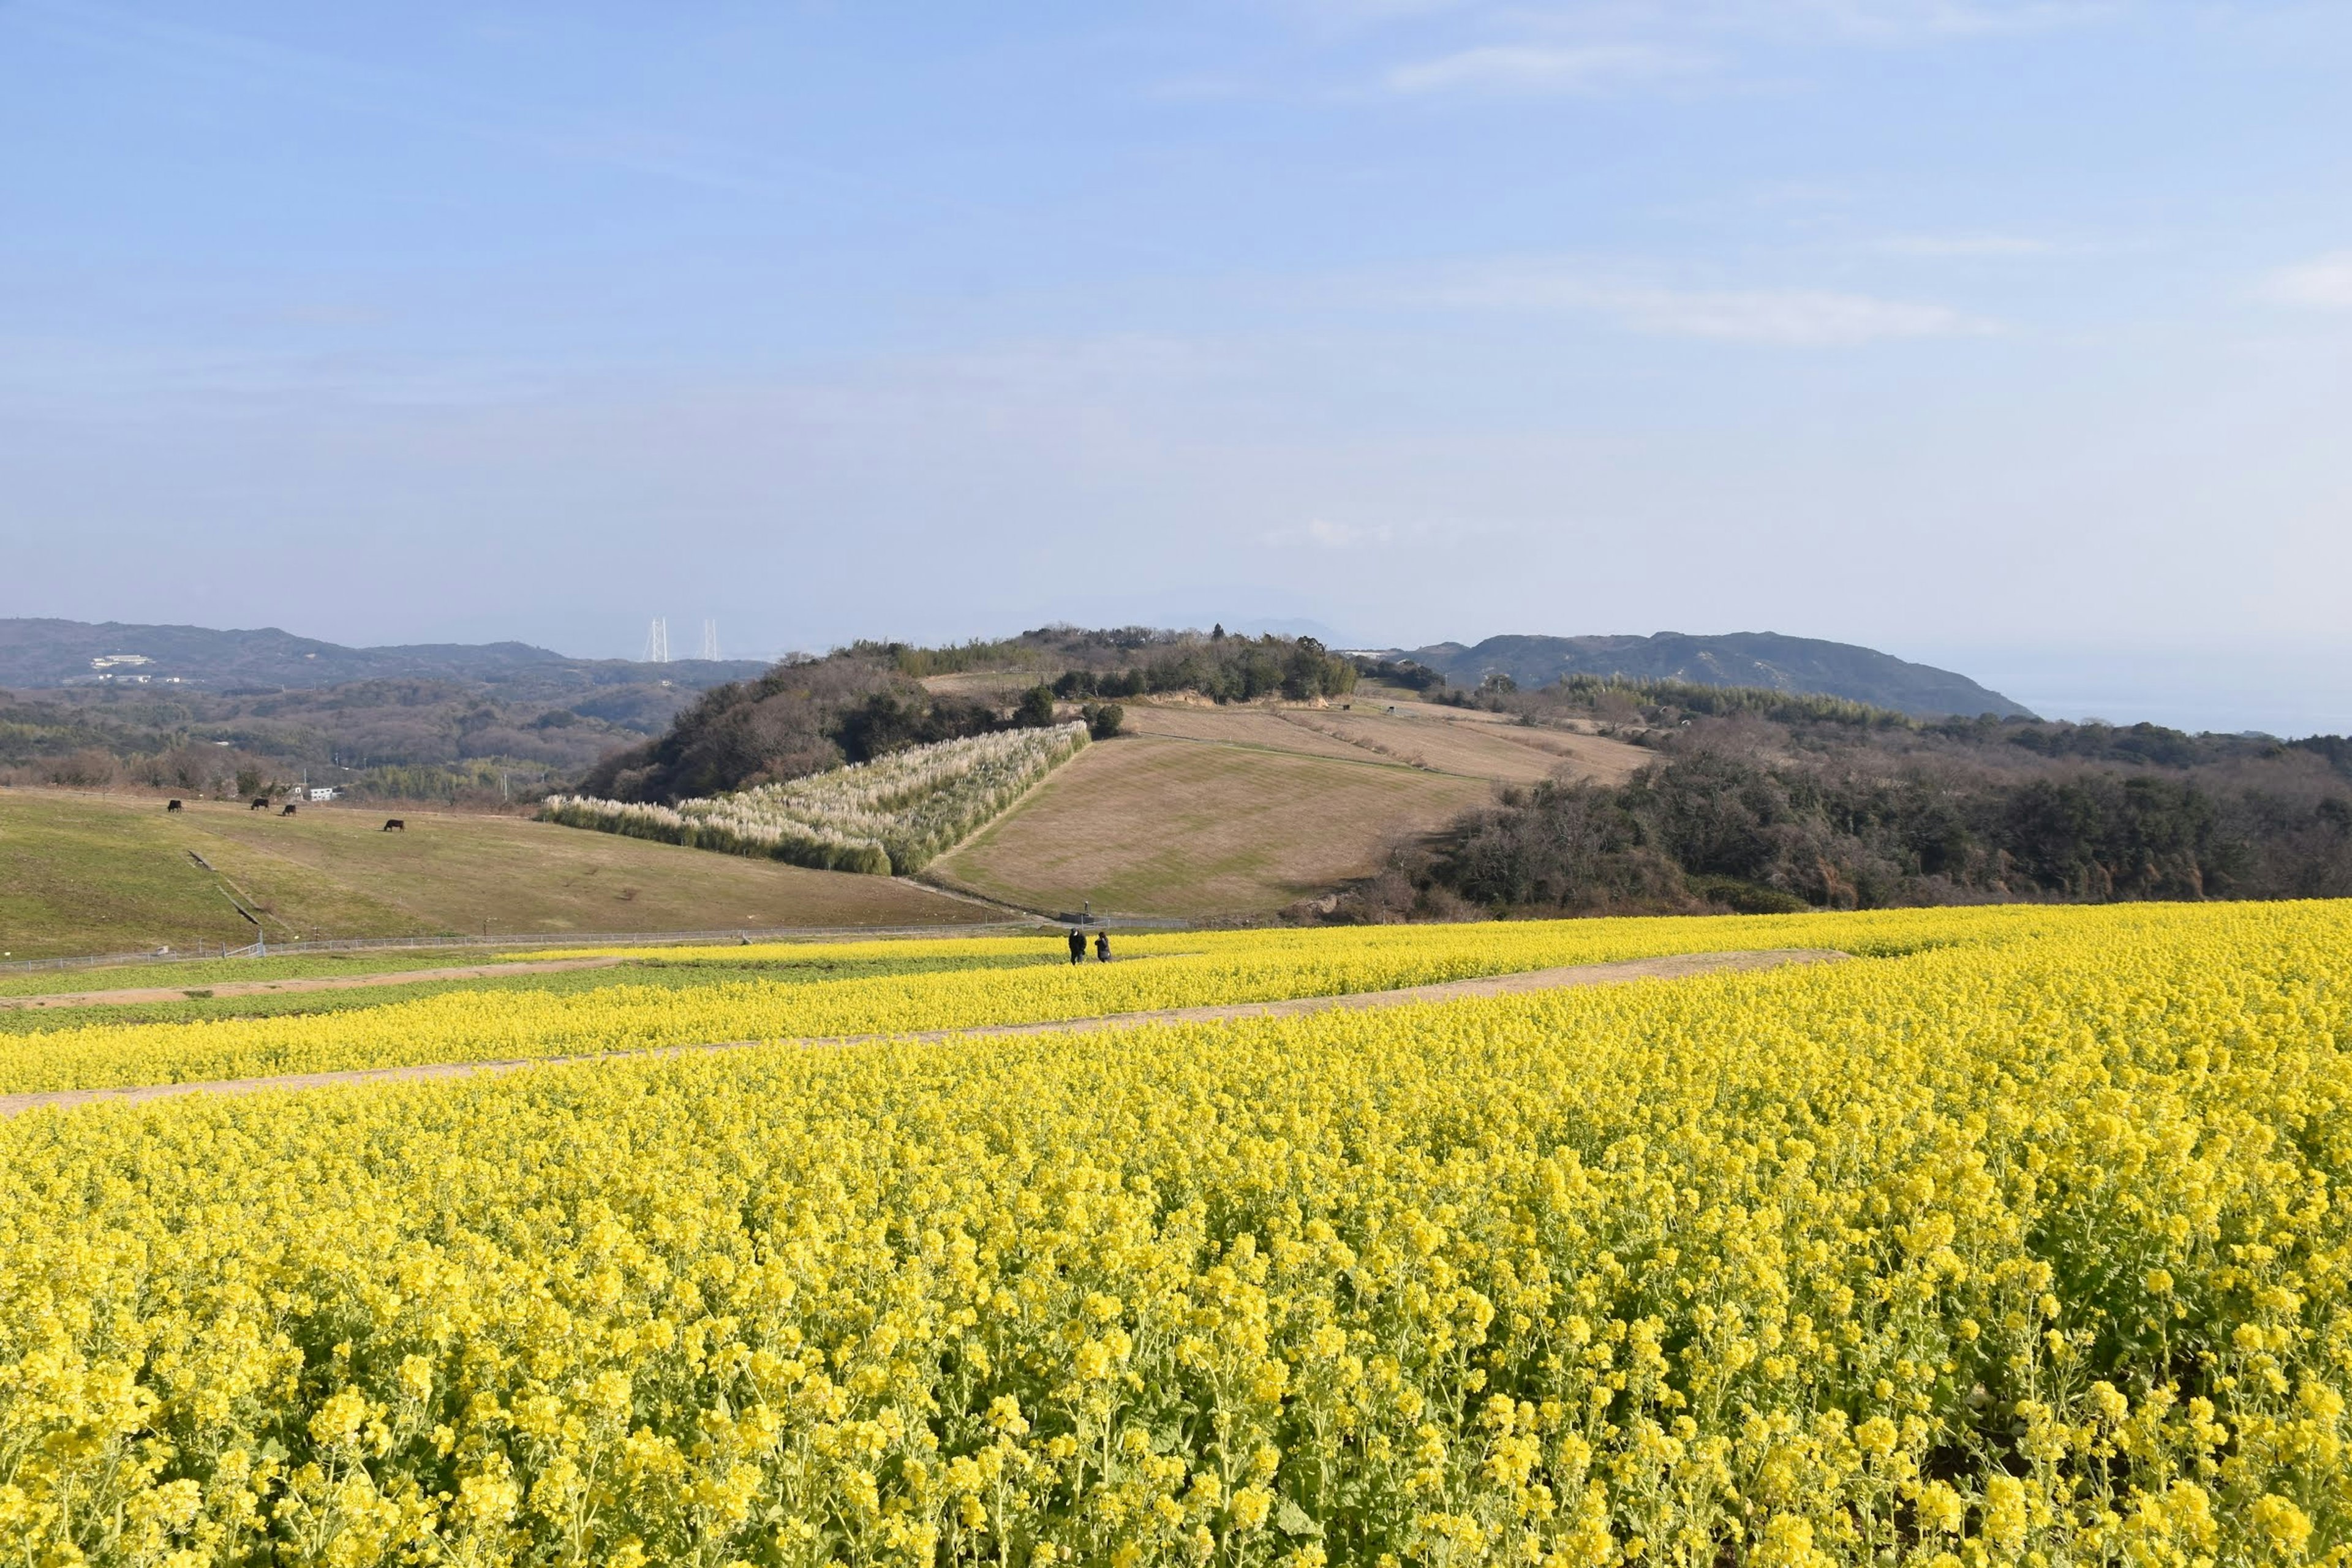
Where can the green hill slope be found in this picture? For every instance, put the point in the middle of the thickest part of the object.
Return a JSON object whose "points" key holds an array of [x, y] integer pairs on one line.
{"points": [[85, 873]]}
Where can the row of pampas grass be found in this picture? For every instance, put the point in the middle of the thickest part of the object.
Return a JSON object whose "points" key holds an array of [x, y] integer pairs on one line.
{"points": [[891, 815]]}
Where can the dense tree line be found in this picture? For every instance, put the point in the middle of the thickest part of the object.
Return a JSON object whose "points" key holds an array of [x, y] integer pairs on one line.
{"points": [[1224, 670], [1138, 661], [1402, 673], [1751, 837], [1760, 802]]}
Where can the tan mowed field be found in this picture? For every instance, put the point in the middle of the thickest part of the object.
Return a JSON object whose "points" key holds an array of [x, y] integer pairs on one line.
{"points": [[1152, 825], [1511, 753], [1441, 739], [1204, 810], [1238, 726]]}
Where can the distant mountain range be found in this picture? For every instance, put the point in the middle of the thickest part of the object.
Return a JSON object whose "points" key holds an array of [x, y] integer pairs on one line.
{"points": [[1768, 659], [42, 653], [38, 654]]}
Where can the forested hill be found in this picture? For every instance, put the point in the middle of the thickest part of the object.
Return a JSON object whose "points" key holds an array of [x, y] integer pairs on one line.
{"points": [[858, 702], [35, 654], [1765, 659]]}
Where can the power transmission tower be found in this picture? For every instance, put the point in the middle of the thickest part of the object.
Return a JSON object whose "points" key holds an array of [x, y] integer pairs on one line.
{"points": [[658, 642], [710, 640]]}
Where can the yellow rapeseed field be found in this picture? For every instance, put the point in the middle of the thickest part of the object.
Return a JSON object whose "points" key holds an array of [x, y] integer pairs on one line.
{"points": [[1176, 969], [2027, 1243]]}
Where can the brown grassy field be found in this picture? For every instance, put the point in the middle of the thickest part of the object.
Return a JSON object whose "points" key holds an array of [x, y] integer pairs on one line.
{"points": [[1238, 726], [1230, 812], [1470, 743], [85, 873], [1480, 748], [1154, 825]]}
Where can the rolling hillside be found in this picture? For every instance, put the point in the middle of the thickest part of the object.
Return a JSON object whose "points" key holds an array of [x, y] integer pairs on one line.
{"points": [[87, 873], [1204, 812]]}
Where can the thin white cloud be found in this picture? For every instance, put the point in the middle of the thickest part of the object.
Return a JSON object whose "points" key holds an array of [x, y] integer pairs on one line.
{"points": [[1797, 317], [1324, 533], [360, 88], [1363, 13], [1788, 317], [1531, 68], [1877, 19], [1897, 20], [2323, 283], [1592, 46], [1990, 246], [1321, 533]]}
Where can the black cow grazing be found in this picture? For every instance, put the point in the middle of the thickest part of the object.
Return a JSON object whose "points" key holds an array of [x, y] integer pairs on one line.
{"points": [[260, 803], [289, 811], [394, 825], [174, 807]]}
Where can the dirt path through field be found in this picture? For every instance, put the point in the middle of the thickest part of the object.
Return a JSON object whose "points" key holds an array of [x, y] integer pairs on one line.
{"points": [[1450, 991], [309, 983]]}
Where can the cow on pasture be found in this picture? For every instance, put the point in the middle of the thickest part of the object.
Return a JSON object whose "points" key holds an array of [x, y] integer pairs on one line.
{"points": [[394, 825]]}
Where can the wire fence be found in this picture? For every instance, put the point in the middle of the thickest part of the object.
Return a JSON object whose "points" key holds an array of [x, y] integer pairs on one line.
{"points": [[213, 953]]}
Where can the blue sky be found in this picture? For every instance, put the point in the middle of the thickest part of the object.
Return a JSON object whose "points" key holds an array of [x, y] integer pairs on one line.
{"points": [[2013, 335]]}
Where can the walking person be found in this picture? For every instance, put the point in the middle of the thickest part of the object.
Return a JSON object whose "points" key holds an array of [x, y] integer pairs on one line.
{"points": [[1102, 946], [1077, 945]]}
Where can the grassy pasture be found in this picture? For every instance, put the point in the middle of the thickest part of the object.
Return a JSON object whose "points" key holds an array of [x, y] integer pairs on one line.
{"points": [[81, 873]]}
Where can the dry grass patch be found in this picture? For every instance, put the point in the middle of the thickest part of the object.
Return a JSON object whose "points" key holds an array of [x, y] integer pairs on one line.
{"points": [[1238, 726], [1513, 753], [1442, 740]]}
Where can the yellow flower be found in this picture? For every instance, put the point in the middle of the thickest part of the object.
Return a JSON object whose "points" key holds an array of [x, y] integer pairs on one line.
{"points": [[2005, 1515], [1590, 1277], [2284, 1526]]}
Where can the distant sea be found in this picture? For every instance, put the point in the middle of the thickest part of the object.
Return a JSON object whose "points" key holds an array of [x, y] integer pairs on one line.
{"points": [[2286, 694]]}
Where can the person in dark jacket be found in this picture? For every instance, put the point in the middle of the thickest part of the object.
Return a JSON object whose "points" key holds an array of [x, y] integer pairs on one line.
{"points": [[1102, 947], [1077, 945]]}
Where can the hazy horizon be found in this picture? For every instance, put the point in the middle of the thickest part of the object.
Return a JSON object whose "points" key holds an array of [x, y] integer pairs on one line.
{"points": [[2010, 336], [2275, 694]]}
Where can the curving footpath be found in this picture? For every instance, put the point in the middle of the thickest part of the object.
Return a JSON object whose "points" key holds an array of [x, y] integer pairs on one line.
{"points": [[1673, 968], [308, 982]]}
